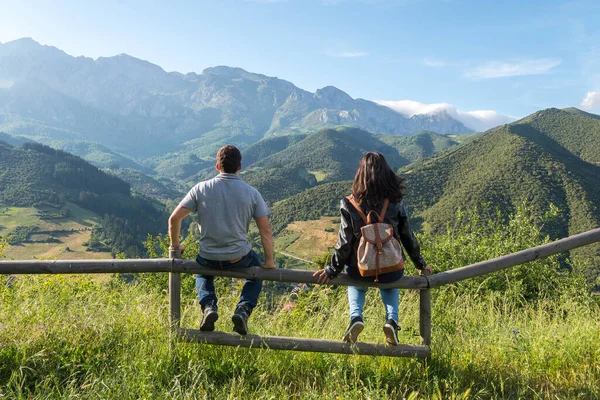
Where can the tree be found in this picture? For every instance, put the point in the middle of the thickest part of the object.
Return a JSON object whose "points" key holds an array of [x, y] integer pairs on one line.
{"points": [[3, 246]]}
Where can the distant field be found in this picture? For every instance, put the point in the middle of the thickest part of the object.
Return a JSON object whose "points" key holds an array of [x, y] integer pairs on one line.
{"points": [[320, 175], [78, 227], [308, 239]]}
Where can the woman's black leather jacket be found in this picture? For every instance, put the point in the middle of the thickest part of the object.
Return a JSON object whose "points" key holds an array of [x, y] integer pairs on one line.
{"points": [[349, 236]]}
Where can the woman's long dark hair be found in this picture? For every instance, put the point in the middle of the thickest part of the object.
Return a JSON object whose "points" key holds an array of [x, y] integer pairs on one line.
{"points": [[375, 181]]}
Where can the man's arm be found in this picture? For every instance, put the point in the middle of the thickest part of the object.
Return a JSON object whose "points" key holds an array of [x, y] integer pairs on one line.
{"points": [[175, 227], [266, 238]]}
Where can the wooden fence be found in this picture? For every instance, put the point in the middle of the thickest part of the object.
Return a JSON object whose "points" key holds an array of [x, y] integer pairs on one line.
{"points": [[175, 266]]}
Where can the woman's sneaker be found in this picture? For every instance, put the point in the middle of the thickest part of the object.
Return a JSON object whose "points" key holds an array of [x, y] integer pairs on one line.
{"points": [[390, 329], [355, 328]]}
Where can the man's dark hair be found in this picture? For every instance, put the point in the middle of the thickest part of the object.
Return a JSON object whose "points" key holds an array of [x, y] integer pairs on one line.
{"points": [[375, 181], [229, 159]]}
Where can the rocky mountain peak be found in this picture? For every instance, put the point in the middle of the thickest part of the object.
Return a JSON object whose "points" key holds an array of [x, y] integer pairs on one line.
{"points": [[332, 94]]}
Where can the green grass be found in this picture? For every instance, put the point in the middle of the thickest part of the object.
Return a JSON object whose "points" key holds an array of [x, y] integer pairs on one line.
{"points": [[310, 238], [11, 217], [320, 175], [72, 336]]}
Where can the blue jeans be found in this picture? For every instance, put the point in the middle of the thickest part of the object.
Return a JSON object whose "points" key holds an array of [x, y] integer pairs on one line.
{"points": [[205, 285], [356, 300]]}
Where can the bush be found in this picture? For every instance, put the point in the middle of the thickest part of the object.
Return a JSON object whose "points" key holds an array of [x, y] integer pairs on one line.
{"points": [[468, 240]]}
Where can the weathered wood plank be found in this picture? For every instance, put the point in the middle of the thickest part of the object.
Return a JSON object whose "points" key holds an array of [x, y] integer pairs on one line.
{"points": [[187, 266], [294, 276], [425, 316], [510, 260], [174, 295], [84, 266], [299, 344]]}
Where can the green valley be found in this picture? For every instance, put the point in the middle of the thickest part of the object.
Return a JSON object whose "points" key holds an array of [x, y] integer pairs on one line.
{"points": [[34, 233], [39, 176]]}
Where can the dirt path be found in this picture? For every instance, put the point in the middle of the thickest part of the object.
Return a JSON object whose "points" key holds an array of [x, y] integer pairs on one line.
{"points": [[293, 256]]}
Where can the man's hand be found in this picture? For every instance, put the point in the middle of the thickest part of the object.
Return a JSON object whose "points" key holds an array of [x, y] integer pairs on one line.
{"points": [[426, 271], [322, 276], [179, 247], [268, 265]]}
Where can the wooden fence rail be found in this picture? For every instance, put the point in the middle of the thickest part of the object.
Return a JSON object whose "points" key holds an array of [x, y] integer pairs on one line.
{"points": [[175, 266], [511, 260], [15, 267]]}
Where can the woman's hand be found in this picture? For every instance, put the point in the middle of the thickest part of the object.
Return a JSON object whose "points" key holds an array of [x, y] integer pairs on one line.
{"points": [[322, 276], [426, 271]]}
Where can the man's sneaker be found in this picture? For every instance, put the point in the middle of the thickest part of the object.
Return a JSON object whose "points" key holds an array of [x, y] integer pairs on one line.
{"points": [[211, 316], [240, 320], [390, 329], [355, 328]]}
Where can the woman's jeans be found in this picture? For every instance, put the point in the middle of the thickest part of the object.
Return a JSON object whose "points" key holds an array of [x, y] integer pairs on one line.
{"points": [[205, 285], [356, 300]]}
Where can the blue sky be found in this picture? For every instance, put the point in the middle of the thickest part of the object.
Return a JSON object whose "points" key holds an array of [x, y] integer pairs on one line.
{"points": [[514, 57]]}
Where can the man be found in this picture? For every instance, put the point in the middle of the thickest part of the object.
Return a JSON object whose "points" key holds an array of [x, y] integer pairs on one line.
{"points": [[225, 205]]}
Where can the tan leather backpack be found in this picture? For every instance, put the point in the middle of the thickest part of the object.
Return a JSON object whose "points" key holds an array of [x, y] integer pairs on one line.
{"points": [[378, 250]]}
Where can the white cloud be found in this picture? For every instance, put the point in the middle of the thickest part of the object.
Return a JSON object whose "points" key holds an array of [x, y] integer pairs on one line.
{"points": [[346, 54], [433, 63], [591, 101], [478, 120], [496, 69]]}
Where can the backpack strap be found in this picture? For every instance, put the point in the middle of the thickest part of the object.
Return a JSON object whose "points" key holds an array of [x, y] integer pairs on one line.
{"points": [[386, 203], [357, 207], [367, 218]]}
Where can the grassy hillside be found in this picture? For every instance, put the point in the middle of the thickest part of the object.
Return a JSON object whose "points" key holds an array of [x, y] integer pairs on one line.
{"points": [[528, 161], [322, 200], [422, 145], [336, 151], [574, 130], [65, 238], [94, 153], [309, 239], [37, 175], [178, 166], [280, 182], [267, 147], [331, 155], [160, 188]]}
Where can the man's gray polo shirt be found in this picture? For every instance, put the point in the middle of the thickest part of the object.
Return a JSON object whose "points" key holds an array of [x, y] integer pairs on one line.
{"points": [[225, 205]]}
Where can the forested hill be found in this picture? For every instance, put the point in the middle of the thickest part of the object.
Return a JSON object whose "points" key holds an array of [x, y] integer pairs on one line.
{"points": [[35, 175], [330, 155], [335, 152], [537, 160], [576, 131]]}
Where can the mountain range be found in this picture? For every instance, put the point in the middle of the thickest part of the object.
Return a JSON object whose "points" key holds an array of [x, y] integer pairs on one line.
{"points": [[136, 108]]}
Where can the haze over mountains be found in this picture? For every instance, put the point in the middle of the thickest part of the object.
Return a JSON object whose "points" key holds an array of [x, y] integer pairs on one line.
{"points": [[135, 107]]}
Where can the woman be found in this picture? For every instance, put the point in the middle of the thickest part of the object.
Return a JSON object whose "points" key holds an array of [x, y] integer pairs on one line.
{"points": [[374, 182]]}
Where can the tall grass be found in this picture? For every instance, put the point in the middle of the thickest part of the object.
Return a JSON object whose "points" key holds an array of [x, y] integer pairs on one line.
{"points": [[65, 337], [79, 337]]}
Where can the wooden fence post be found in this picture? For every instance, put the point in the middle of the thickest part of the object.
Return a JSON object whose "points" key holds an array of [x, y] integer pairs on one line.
{"points": [[425, 315], [174, 297]]}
